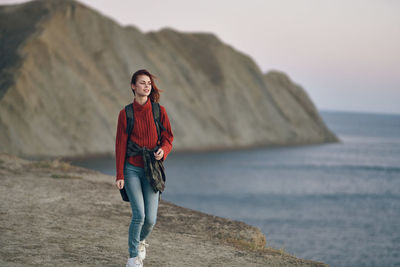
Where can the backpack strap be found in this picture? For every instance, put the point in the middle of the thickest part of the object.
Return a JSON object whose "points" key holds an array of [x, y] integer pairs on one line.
{"points": [[129, 119], [156, 115]]}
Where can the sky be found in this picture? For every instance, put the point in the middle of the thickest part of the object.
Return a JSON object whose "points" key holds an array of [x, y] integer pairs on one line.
{"points": [[344, 53]]}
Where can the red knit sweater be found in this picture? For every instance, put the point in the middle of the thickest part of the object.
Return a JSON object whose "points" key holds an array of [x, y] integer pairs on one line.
{"points": [[144, 134]]}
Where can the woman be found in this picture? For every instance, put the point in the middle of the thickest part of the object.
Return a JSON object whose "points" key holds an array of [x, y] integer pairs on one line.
{"points": [[130, 169]]}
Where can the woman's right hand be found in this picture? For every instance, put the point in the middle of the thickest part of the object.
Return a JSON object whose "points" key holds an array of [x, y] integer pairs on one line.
{"points": [[119, 184]]}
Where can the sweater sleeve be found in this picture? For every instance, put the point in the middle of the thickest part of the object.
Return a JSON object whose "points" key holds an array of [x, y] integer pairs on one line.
{"points": [[166, 136], [120, 145]]}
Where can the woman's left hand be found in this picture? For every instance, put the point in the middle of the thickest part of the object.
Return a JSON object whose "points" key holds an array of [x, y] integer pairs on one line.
{"points": [[159, 154]]}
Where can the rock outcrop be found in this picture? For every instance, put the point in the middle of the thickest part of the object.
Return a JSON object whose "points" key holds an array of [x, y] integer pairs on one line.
{"points": [[65, 74]]}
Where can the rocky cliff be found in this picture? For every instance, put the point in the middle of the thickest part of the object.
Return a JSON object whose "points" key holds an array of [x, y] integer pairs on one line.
{"points": [[65, 71]]}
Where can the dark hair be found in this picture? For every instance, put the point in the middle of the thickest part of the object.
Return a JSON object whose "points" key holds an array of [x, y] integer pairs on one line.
{"points": [[155, 92]]}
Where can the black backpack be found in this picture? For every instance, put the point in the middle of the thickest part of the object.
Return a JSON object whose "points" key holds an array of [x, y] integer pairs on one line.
{"points": [[130, 120]]}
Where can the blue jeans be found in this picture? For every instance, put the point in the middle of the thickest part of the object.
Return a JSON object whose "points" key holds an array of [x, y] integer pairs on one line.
{"points": [[144, 204]]}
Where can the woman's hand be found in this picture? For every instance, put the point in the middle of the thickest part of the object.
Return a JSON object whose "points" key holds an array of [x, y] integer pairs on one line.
{"points": [[159, 154], [120, 184]]}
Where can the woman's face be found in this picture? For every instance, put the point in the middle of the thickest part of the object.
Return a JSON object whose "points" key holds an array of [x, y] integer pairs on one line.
{"points": [[143, 86]]}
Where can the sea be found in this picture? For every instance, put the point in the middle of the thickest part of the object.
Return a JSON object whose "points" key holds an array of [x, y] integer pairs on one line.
{"points": [[338, 203]]}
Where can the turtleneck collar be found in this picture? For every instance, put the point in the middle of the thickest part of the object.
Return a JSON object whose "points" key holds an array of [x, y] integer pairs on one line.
{"points": [[139, 108]]}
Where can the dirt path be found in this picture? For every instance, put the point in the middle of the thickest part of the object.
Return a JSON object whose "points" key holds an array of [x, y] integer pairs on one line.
{"points": [[54, 214]]}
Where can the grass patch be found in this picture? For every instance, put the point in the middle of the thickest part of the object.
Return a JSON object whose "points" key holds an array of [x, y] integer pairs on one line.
{"points": [[280, 251], [246, 245], [65, 176], [52, 164], [239, 243]]}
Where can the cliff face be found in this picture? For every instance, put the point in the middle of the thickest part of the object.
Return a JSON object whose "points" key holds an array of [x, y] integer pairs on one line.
{"points": [[65, 74]]}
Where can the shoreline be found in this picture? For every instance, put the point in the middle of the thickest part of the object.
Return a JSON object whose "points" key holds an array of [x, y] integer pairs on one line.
{"points": [[54, 213], [179, 151]]}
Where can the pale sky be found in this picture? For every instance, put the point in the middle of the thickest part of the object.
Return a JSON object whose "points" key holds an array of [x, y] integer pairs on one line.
{"points": [[345, 53]]}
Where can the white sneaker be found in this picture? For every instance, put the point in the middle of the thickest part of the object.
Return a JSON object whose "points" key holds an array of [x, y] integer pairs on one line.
{"points": [[142, 249], [134, 262]]}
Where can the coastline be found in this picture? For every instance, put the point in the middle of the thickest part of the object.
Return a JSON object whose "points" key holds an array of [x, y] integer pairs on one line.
{"points": [[178, 151], [54, 213]]}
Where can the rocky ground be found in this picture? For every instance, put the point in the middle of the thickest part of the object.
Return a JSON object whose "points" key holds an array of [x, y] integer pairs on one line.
{"points": [[55, 214]]}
